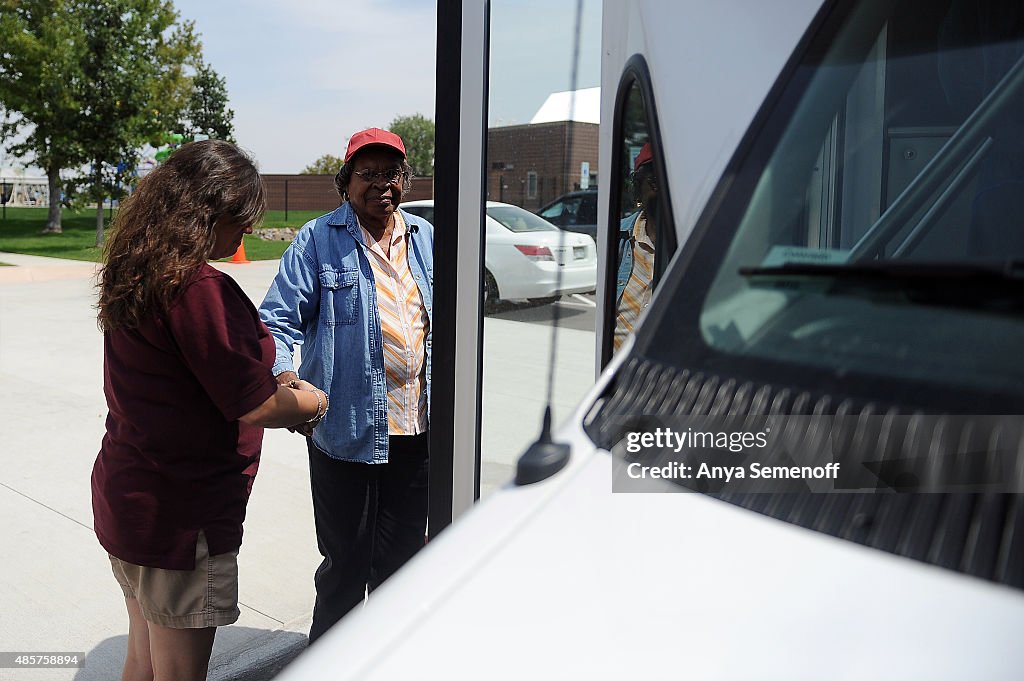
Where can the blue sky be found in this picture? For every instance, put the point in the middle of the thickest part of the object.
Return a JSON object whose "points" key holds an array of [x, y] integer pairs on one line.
{"points": [[304, 75], [531, 54]]}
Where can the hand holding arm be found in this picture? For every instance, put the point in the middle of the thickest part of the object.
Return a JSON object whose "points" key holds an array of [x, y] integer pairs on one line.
{"points": [[307, 428], [286, 377], [290, 407]]}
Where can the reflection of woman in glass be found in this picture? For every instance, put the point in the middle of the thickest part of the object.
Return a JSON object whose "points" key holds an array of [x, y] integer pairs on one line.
{"points": [[636, 249]]}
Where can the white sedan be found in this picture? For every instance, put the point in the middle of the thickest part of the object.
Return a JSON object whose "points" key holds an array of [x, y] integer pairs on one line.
{"points": [[525, 254]]}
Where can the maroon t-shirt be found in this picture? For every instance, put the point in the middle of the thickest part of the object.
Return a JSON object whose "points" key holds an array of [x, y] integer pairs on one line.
{"points": [[175, 459]]}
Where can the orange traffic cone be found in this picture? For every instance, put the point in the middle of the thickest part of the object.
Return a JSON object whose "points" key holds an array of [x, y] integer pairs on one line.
{"points": [[239, 256]]}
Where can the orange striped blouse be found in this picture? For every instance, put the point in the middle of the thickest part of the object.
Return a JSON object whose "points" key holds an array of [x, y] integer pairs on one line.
{"points": [[404, 325], [637, 294]]}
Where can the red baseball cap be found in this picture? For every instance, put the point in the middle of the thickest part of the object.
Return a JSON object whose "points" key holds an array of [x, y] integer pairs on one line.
{"points": [[373, 136], [645, 156]]}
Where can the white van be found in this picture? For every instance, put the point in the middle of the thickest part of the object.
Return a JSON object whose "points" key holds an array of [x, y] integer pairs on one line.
{"points": [[836, 234]]}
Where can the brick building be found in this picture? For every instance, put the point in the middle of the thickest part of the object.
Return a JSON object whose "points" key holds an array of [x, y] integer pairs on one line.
{"points": [[529, 165], [317, 192]]}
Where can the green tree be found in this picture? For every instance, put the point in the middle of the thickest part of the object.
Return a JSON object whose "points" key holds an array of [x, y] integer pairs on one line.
{"points": [[207, 111], [39, 84], [135, 85], [417, 131], [325, 165]]}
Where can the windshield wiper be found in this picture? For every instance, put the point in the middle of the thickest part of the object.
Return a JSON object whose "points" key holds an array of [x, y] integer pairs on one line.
{"points": [[991, 286]]}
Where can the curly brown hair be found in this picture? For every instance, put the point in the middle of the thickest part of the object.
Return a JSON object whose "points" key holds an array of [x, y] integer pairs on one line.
{"points": [[163, 232]]}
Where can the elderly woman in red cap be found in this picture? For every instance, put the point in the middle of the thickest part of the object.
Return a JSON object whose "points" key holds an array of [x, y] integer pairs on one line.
{"points": [[635, 282], [354, 290]]}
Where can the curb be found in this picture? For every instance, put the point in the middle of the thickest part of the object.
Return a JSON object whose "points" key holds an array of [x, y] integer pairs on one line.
{"points": [[20, 274], [262, 658], [33, 268]]}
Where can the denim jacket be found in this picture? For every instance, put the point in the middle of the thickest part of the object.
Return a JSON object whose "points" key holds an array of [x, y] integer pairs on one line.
{"points": [[324, 299], [625, 254]]}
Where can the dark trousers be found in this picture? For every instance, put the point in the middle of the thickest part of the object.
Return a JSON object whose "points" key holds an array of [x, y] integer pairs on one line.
{"points": [[370, 519]]}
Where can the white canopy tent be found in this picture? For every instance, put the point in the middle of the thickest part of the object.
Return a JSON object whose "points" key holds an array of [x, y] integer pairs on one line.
{"points": [[22, 189]]}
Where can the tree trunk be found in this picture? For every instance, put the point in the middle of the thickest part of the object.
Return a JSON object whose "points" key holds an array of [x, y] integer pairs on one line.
{"points": [[53, 225], [99, 223], [99, 207]]}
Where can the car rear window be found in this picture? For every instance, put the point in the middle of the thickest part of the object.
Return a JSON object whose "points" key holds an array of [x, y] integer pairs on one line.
{"points": [[425, 212], [587, 213], [519, 220]]}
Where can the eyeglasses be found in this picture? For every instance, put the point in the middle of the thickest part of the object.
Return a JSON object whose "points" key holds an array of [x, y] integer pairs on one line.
{"points": [[645, 176], [390, 176]]}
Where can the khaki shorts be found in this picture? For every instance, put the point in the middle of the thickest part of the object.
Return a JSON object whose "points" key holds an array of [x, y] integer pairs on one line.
{"points": [[184, 599]]}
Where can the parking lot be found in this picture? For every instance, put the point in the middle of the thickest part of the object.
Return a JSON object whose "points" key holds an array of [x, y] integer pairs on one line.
{"points": [[65, 599], [574, 311]]}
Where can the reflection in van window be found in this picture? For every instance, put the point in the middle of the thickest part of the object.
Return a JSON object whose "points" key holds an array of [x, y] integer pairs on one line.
{"points": [[641, 238], [637, 247], [884, 232]]}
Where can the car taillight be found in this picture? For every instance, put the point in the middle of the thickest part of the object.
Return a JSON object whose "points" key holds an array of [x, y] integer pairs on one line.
{"points": [[536, 252]]}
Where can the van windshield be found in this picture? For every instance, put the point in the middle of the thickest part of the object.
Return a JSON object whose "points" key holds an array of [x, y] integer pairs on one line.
{"points": [[884, 231]]}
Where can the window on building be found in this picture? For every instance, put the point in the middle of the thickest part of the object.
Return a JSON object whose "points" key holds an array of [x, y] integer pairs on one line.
{"points": [[531, 185]]}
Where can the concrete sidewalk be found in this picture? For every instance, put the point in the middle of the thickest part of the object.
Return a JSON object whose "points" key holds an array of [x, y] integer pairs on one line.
{"points": [[34, 268], [58, 593]]}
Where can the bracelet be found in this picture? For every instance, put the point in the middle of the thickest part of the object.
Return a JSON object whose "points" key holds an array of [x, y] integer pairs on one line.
{"points": [[319, 405]]}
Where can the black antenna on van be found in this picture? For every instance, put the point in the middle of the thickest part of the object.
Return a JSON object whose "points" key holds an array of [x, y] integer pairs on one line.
{"points": [[546, 457]]}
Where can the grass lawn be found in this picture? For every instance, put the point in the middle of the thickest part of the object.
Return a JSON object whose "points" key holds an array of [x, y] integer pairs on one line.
{"points": [[296, 218], [20, 233]]}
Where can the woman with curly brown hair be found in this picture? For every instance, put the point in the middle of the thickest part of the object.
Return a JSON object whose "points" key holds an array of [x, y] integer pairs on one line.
{"points": [[189, 388]]}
